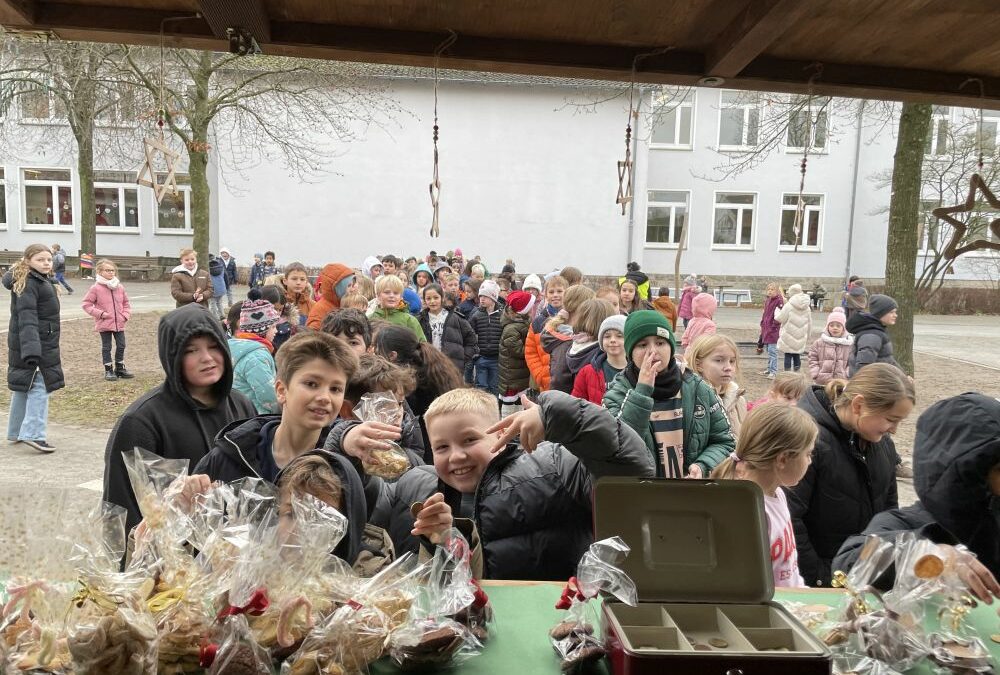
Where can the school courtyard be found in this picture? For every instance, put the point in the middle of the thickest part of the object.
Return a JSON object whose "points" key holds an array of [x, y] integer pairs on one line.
{"points": [[953, 354]]}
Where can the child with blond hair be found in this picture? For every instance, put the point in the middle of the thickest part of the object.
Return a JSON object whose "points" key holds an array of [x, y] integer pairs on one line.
{"points": [[392, 308], [108, 303], [716, 359], [787, 388]]}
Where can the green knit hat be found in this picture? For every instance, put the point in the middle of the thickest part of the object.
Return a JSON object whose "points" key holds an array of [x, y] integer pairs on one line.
{"points": [[644, 323]]}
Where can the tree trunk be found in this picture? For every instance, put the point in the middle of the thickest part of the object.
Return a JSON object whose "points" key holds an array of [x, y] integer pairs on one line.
{"points": [[85, 172], [201, 193], [904, 212]]}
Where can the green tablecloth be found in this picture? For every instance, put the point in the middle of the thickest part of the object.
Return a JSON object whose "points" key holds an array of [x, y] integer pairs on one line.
{"points": [[526, 612]]}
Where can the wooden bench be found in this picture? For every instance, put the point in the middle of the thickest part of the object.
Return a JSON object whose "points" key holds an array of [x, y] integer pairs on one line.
{"points": [[8, 258], [740, 296], [147, 268]]}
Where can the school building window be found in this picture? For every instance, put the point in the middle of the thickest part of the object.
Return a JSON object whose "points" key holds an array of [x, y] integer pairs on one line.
{"points": [[666, 213], [929, 227], [3, 200], [173, 214], [739, 121], [734, 219], [938, 138], [812, 219], [116, 201], [39, 104], [807, 122], [988, 135], [673, 120], [47, 199]]}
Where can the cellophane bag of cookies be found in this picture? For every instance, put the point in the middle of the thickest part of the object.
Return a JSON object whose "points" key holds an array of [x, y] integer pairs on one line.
{"points": [[433, 638], [573, 638], [389, 462], [875, 558]]}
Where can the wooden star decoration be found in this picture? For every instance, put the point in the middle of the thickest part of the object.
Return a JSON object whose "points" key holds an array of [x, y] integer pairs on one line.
{"points": [[151, 147], [624, 182], [953, 249]]}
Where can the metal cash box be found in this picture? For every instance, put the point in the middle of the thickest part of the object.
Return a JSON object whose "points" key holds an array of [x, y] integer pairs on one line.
{"points": [[701, 563]]}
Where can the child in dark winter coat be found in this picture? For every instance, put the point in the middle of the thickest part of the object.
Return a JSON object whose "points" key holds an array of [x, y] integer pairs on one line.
{"points": [[872, 343], [446, 329], [514, 374], [586, 342], [557, 338], [217, 273], [34, 367], [108, 303], [486, 324], [595, 378]]}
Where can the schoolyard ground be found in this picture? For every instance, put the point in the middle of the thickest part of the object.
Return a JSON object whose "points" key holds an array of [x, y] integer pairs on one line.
{"points": [[953, 354]]}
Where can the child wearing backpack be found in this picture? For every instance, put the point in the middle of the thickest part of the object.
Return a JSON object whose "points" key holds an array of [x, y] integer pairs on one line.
{"points": [[108, 303]]}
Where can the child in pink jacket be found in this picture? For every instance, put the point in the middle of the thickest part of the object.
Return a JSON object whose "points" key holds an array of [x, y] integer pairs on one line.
{"points": [[687, 296], [703, 308], [108, 303]]}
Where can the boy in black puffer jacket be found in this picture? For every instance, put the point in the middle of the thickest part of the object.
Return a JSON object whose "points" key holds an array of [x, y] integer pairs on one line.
{"points": [[485, 322], [531, 504], [872, 343]]}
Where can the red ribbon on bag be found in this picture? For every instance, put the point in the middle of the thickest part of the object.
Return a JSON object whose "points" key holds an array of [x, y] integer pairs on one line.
{"points": [[479, 598], [207, 653], [257, 605], [571, 591]]}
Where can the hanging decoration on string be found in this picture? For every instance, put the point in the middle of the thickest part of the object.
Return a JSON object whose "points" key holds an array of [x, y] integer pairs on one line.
{"points": [[435, 184], [625, 186], [977, 184], [155, 148], [800, 206]]}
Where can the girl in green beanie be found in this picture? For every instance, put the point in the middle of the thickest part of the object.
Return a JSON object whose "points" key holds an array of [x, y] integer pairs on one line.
{"points": [[677, 413]]}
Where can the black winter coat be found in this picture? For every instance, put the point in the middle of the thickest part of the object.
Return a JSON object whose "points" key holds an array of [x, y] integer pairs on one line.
{"points": [[533, 511], [458, 341], [557, 344], [848, 482], [33, 338], [166, 420], [957, 443], [514, 374], [487, 329], [871, 342]]}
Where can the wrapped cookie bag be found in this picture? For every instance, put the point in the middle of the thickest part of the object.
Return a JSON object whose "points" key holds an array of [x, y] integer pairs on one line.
{"points": [[573, 638], [389, 462], [451, 615]]}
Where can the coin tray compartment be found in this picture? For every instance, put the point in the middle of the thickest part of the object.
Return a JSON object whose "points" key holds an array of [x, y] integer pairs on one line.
{"points": [[655, 638]]}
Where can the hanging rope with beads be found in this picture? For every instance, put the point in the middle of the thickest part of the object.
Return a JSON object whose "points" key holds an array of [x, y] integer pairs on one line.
{"points": [[435, 185], [800, 207], [625, 167]]}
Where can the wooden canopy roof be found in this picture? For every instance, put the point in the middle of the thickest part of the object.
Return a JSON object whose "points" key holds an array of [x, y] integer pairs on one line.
{"points": [[924, 50]]}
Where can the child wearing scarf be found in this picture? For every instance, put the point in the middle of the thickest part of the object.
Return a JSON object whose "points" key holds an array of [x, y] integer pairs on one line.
{"points": [[677, 414], [253, 354], [108, 303]]}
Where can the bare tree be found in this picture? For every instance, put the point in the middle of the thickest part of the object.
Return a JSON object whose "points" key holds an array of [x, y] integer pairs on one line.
{"points": [[253, 108]]}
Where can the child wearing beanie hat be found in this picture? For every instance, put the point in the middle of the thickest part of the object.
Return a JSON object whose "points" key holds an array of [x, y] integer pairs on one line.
{"points": [[514, 375], [594, 379], [872, 343], [830, 355], [252, 354], [678, 414], [486, 323]]}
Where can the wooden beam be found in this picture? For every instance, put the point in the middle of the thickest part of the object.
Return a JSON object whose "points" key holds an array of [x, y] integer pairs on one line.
{"points": [[751, 32], [22, 12]]}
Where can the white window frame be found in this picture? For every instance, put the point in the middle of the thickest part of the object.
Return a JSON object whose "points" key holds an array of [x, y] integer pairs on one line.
{"points": [[5, 212], [989, 117], [822, 116], [924, 229], [117, 120], [937, 119], [673, 219], [54, 186], [689, 102], [716, 205], [810, 208], [121, 187], [746, 107], [52, 120], [182, 188]]}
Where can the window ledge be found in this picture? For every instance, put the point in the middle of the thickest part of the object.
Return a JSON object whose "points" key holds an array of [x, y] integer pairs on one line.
{"points": [[812, 151], [784, 248], [736, 148], [670, 146], [118, 230], [732, 247], [171, 231], [661, 245]]}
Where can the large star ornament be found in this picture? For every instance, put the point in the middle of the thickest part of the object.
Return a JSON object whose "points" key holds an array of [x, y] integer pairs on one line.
{"points": [[147, 172], [953, 249]]}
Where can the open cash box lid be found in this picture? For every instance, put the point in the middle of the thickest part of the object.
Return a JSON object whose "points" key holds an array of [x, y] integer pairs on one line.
{"points": [[691, 540]]}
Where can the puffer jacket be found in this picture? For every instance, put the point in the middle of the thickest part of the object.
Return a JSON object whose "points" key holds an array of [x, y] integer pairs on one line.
{"points": [[641, 281], [590, 383], [707, 437], [848, 482], [829, 358], [184, 283], [458, 341], [534, 355], [254, 374], [956, 445], [401, 317], [514, 375], [579, 356], [872, 343], [770, 329], [667, 308], [533, 510], [217, 271], [795, 318], [331, 276], [488, 330], [109, 305], [33, 335], [557, 342], [685, 311], [703, 307]]}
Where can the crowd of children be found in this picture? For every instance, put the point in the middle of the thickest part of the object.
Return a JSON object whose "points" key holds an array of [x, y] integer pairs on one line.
{"points": [[568, 385]]}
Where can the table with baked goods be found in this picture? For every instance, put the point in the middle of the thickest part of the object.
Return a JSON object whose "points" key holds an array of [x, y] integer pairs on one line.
{"points": [[525, 611]]}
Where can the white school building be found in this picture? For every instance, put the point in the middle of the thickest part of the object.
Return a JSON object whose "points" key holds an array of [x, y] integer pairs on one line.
{"points": [[528, 167]]}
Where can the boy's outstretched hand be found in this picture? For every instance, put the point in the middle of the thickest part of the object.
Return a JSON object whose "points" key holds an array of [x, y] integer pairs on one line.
{"points": [[362, 439], [527, 424], [432, 518]]}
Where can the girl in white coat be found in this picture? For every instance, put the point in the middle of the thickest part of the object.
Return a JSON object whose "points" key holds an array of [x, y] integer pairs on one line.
{"points": [[795, 318]]}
